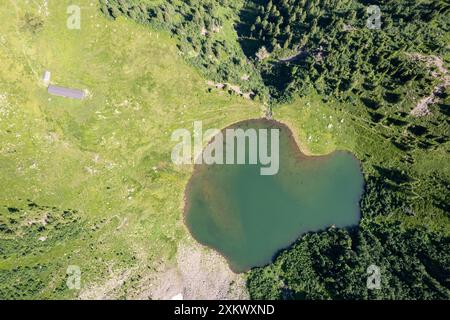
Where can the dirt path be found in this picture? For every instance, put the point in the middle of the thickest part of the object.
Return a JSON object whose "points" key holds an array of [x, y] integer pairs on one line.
{"points": [[300, 54]]}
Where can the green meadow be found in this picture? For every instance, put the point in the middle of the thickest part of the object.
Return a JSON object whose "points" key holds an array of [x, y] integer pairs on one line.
{"points": [[91, 183], [106, 158]]}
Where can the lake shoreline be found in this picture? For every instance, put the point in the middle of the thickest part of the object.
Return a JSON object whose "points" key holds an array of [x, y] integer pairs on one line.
{"points": [[302, 153]]}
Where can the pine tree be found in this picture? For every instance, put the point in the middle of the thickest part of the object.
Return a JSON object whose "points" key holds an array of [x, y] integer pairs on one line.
{"points": [[273, 43], [276, 32]]}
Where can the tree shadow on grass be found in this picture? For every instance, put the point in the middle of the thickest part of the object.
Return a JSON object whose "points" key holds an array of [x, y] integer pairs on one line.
{"points": [[394, 175], [247, 17]]}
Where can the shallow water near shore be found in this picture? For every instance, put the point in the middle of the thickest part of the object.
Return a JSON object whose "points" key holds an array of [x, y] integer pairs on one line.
{"points": [[249, 217]]}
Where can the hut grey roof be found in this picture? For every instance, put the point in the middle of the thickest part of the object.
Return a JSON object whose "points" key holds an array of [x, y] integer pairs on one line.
{"points": [[66, 92]]}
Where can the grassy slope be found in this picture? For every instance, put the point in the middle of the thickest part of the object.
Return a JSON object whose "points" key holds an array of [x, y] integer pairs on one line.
{"points": [[51, 150], [108, 157]]}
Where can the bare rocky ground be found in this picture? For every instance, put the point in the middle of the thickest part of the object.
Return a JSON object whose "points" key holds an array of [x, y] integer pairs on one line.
{"points": [[199, 273], [421, 109]]}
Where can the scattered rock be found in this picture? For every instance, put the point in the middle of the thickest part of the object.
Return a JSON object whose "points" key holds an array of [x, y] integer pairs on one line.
{"points": [[248, 95], [348, 28], [177, 297], [200, 273], [262, 54], [421, 109], [245, 77], [232, 88]]}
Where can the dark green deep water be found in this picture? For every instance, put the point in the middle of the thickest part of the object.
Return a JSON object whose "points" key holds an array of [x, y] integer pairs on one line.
{"points": [[248, 217]]}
